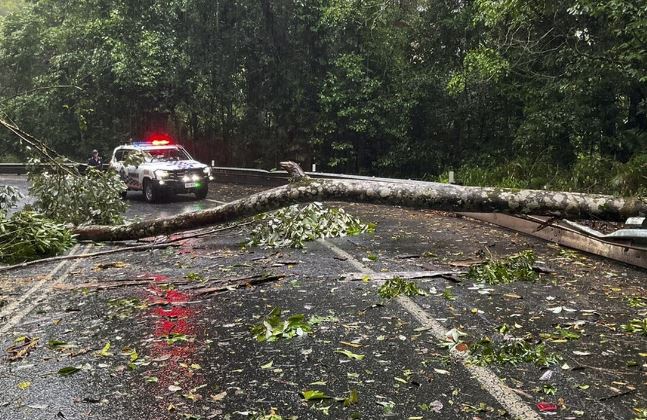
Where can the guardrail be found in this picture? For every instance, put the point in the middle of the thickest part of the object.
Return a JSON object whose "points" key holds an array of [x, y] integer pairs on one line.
{"points": [[13, 168], [276, 178], [21, 168]]}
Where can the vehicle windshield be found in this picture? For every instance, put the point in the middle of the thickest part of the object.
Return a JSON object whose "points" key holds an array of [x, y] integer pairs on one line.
{"points": [[166, 154]]}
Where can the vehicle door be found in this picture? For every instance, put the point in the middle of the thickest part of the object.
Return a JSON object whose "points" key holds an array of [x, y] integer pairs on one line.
{"points": [[122, 162]]}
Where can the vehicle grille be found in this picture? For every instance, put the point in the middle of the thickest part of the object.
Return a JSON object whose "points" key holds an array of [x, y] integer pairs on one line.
{"points": [[178, 175]]}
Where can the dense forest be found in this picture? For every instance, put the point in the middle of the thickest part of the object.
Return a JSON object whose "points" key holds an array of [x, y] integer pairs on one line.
{"points": [[519, 93]]}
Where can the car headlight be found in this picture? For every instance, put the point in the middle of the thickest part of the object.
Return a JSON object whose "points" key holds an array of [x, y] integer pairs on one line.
{"points": [[161, 174], [207, 170]]}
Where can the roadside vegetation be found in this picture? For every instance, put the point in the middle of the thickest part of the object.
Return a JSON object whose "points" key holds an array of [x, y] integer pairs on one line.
{"points": [[514, 93], [590, 173]]}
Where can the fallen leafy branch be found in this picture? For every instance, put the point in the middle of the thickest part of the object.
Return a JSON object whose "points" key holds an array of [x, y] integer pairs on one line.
{"points": [[294, 225], [274, 328], [28, 235], [397, 286], [513, 351], [518, 267]]}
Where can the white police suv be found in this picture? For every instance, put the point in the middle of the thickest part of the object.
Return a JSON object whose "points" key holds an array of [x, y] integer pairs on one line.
{"points": [[157, 167]]}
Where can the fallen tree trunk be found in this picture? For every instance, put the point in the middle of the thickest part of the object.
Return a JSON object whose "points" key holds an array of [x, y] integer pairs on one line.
{"points": [[435, 196]]}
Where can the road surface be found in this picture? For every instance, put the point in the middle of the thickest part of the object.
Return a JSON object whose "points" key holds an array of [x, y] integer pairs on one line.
{"points": [[157, 334]]}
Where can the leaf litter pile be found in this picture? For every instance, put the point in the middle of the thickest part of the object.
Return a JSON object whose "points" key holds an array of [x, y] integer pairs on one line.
{"points": [[294, 225], [274, 328], [398, 286], [518, 267]]}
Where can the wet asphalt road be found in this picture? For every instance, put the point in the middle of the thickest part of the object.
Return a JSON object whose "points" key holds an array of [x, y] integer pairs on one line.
{"points": [[178, 350]]}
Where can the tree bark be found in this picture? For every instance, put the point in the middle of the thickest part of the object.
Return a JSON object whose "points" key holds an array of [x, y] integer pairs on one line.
{"points": [[434, 196]]}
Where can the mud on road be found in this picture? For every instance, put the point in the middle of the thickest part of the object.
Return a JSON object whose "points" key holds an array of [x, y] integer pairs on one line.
{"points": [[142, 335]]}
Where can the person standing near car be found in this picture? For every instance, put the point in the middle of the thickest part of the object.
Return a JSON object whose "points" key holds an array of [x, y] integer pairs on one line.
{"points": [[95, 160]]}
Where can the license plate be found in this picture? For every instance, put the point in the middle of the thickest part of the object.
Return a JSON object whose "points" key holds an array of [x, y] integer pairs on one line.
{"points": [[190, 185]]}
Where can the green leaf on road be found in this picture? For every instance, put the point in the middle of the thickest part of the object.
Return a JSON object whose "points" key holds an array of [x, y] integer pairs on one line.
{"points": [[104, 351], [69, 370], [314, 395], [350, 354], [353, 398]]}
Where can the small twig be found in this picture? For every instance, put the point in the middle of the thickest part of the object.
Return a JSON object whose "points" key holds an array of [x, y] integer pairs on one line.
{"points": [[100, 286], [247, 282], [116, 283], [548, 222], [619, 394], [521, 392]]}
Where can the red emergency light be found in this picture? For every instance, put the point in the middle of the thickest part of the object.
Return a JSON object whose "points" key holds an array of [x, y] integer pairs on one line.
{"points": [[159, 139]]}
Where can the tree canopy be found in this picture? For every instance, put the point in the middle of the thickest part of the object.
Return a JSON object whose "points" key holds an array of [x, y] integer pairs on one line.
{"points": [[515, 92]]}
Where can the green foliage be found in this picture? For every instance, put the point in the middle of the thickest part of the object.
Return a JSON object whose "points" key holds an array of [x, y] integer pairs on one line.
{"points": [[122, 308], [591, 173], [294, 225], [562, 334], [29, 235], [640, 413], [274, 328], [630, 178], [636, 326], [9, 6], [481, 65], [518, 267], [9, 197], [92, 198], [637, 301], [398, 286], [486, 352], [386, 88]]}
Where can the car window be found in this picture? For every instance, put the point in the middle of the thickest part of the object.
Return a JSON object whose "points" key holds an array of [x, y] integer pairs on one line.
{"points": [[119, 155], [166, 154]]}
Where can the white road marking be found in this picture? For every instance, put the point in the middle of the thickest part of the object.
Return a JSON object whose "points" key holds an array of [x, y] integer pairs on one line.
{"points": [[43, 287], [488, 380], [216, 201]]}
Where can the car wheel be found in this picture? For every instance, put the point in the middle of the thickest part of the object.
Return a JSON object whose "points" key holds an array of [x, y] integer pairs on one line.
{"points": [[151, 192], [124, 193], [201, 193]]}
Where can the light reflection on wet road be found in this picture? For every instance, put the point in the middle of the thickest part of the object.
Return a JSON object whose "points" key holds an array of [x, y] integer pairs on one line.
{"points": [[173, 320], [138, 208]]}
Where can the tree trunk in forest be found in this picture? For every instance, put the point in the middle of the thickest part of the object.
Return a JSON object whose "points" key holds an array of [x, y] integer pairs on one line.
{"points": [[434, 196]]}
